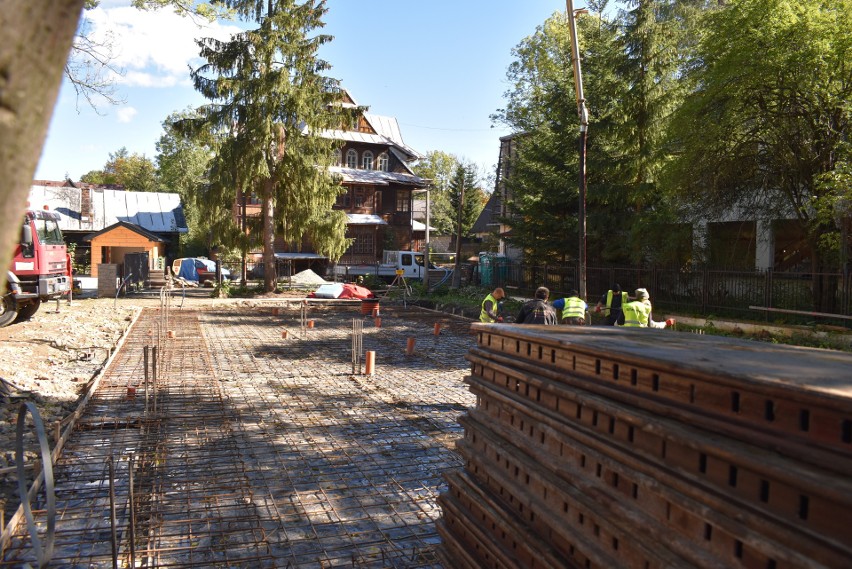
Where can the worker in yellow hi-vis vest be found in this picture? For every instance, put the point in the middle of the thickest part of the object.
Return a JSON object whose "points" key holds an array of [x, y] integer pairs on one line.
{"points": [[611, 304], [572, 308], [490, 311], [637, 313]]}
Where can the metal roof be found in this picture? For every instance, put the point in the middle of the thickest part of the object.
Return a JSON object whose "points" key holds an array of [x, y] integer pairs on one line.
{"points": [[157, 212], [420, 226], [387, 133], [365, 219], [376, 177]]}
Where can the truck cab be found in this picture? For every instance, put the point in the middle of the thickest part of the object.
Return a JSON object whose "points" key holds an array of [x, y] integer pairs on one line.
{"points": [[410, 262], [39, 267]]}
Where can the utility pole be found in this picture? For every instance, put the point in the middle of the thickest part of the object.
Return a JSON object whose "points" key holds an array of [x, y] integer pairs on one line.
{"points": [[428, 245], [584, 129], [457, 269]]}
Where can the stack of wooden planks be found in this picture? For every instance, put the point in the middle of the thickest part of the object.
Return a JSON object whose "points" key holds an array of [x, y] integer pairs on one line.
{"points": [[609, 447]]}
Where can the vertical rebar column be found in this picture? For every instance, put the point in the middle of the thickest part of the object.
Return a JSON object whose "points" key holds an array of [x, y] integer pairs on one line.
{"points": [[145, 366], [154, 376], [112, 518], [132, 504], [303, 319], [357, 344]]}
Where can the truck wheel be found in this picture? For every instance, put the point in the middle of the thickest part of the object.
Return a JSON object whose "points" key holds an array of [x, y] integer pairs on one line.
{"points": [[8, 310], [26, 311]]}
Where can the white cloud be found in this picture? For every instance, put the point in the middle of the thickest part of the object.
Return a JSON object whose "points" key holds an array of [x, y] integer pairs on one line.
{"points": [[125, 114], [154, 48]]}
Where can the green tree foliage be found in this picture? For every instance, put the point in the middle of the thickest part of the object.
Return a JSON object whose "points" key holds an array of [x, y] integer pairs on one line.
{"points": [[543, 185], [269, 106], [632, 73], [182, 165], [134, 172], [466, 196], [439, 167], [765, 128]]}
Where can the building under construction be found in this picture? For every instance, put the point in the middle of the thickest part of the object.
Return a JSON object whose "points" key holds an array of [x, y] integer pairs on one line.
{"points": [[325, 435]]}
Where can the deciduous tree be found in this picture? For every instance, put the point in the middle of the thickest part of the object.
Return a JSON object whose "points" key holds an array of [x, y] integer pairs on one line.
{"points": [[765, 125], [135, 172]]}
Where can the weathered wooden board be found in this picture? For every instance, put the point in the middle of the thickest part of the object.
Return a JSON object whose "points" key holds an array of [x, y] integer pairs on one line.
{"points": [[766, 392], [644, 448]]}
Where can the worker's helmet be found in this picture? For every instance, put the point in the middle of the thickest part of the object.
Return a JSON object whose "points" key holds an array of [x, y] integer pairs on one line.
{"points": [[641, 294]]}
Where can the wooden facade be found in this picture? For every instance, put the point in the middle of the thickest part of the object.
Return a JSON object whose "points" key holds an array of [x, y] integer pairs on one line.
{"points": [[111, 244], [374, 165]]}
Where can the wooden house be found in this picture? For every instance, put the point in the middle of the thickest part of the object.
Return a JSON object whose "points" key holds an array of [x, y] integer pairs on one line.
{"points": [[374, 165]]}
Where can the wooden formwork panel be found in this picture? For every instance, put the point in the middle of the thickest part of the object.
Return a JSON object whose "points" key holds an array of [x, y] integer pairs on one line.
{"points": [[574, 511], [477, 524], [801, 499], [626, 448], [795, 401], [696, 521]]}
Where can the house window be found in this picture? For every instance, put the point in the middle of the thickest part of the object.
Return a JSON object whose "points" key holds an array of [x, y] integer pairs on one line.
{"points": [[403, 200], [364, 243], [351, 158], [367, 161], [343, 199], [337, 157], [384, 161], [363, 196]]}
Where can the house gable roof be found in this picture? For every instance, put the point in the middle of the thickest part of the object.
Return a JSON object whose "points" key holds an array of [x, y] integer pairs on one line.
{"points": [[487, 220], [132, 227]]}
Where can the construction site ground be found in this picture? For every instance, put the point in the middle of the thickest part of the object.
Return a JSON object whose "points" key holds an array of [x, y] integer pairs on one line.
{"points": [[255, 450]]}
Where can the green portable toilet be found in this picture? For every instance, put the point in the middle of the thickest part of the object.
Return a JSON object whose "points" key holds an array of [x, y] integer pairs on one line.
{"points": [[486, 273]]}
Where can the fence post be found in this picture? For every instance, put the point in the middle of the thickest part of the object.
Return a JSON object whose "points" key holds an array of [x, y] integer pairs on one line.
{"points": [[768, 292], [654, 286], [705, 290]]}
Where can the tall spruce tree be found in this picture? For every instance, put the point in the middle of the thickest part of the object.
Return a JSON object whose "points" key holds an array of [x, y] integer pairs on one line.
{"points": [[466, 196], [270, 103], [656, 41], [543, 185]]}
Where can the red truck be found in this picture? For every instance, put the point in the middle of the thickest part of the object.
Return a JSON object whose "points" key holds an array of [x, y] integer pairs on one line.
{"points": [[40, 269]]}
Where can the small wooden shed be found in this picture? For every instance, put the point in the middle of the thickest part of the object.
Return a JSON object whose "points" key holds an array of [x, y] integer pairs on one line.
{"points": [[112, 243]]}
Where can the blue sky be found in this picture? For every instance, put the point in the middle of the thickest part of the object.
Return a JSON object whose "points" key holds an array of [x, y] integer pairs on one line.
{"points": [[439, 67]]}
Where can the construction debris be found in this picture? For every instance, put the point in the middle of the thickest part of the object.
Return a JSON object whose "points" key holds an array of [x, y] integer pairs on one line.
{"points": [[611, 448]]}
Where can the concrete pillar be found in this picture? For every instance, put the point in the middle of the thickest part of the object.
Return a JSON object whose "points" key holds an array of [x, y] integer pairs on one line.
{"points": [[700, 243], [764, 254]]}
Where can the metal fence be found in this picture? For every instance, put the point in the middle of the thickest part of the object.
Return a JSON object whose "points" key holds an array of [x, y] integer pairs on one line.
{"points": [[797, 298]]}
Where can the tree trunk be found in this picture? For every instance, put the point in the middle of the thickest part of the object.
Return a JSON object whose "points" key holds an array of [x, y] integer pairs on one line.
{"points": [[37, 38], [270, 277]]}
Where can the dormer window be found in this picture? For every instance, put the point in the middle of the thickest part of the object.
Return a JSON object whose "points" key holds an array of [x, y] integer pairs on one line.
{"points": [[367, 160], [384, 161], [351, 159]]}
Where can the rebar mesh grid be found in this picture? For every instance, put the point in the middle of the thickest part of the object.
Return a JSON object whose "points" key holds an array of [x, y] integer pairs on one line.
{"points": [[263, 451]]}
